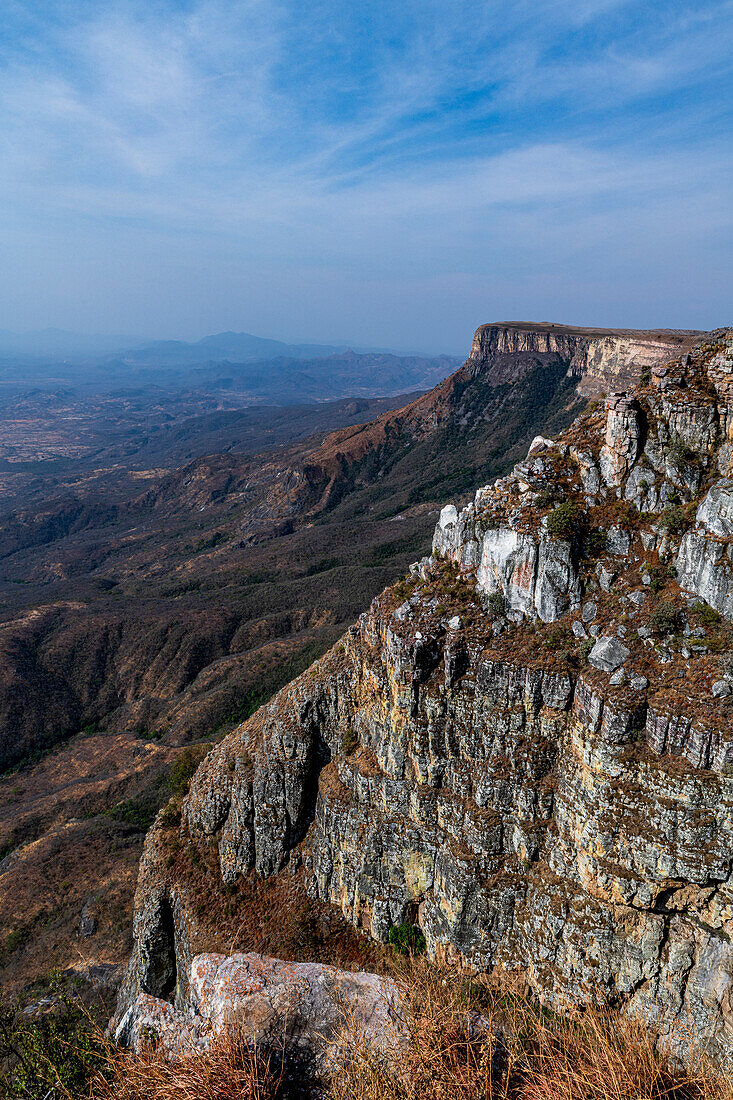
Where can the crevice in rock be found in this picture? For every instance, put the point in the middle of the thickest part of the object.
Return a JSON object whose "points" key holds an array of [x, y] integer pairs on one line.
{"points": [[159, 977]]}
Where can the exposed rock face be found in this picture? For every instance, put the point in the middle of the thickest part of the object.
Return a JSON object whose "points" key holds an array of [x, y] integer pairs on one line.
{"points": [[601, 358], [306, 1005], [456, 762], [623, 437], [704, 562]]}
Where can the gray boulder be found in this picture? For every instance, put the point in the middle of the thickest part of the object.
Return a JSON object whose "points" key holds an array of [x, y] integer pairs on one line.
{"points": [[608, 654]]}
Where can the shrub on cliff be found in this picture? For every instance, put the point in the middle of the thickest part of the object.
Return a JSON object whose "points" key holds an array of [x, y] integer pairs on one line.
{"points": [[664, 617], [682, 455], [564, 521], [676, 520], [496, 605], [184, 768], [407, 939]]}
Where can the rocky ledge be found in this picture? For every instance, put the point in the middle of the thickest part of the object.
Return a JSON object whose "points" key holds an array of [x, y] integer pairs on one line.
{"points": [[526, 746]]}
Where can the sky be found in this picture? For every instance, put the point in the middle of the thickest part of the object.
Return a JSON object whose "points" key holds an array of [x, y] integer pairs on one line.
{"points": [[365, 172]]}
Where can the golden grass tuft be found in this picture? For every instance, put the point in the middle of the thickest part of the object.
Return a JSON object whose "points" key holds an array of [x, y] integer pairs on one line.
{"points": [[229, 1070], [469, 1040], [463, 1038]]}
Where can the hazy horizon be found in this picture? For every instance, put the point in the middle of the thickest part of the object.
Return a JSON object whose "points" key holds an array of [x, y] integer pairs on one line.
{"points": [[363, 174]]}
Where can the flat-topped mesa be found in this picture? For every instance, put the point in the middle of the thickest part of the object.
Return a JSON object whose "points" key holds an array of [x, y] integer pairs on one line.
{"points": [[551, 799], [600, 359]]}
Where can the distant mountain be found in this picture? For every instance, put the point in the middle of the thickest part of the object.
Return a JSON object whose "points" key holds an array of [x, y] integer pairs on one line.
{"points": [[234, 346]]}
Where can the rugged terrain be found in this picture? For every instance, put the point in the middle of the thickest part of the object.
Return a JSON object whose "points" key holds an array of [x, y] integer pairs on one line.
{"points": [[164, 614], [524, 747]]}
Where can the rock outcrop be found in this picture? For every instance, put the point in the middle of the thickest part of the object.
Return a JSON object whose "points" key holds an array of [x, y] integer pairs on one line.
{"points": [[307, 1006], [522, 747], [601, 359]]}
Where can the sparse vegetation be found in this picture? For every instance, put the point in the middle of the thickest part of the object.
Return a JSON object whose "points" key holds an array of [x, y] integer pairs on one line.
{"points": [[464, 1037], [564, 521], [664, 617], [407, 939], [467, 1040]]}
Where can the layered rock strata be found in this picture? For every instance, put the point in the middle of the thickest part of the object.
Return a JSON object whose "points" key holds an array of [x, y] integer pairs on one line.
{"points": [[599, 358], [526, 747]]}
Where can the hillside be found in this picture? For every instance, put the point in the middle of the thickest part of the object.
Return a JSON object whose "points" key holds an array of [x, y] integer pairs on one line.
{"points": [[158, 607], [523, 748]]}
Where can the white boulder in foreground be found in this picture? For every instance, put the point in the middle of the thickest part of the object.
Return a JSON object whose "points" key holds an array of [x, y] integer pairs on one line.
{"points": [[307, 1005]]}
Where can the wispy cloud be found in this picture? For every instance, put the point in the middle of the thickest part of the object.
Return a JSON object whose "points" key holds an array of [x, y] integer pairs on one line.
{"points": [[368, 139]]}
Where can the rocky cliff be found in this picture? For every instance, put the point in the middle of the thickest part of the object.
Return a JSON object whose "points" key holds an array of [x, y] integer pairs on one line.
{"points": [[600, 359], [525, 747]]}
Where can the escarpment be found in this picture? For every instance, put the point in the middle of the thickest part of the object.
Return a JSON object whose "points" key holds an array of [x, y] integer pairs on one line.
{"points": [[525, 747], [518, 376]]}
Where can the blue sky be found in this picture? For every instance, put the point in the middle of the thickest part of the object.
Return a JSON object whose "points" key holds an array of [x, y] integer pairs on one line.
{"points": [[373, 172]]}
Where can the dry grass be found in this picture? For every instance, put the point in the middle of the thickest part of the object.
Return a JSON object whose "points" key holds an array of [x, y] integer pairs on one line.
{"points": [[462, 1039], [467, 1040], [229, 1070]]}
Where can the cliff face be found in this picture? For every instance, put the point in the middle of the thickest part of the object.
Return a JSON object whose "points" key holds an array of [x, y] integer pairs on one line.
{"points": [[600, 359], [526, 746]]}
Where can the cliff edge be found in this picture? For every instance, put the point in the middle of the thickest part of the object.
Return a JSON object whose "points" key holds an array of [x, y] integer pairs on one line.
{"points": [[525, 747]]}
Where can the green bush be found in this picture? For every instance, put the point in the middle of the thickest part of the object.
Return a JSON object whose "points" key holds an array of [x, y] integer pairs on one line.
{"points": [[664, 617], [496, 605], [50, 1056], [349, 742], [564, 521], [675, 519], [707, 615], [170, 817], [183, 771], [546, 497], [660, 574], [682, 455], [594, 543], [407, 939]]}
